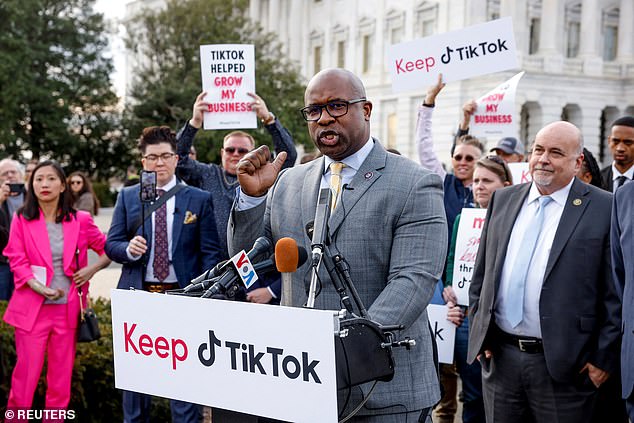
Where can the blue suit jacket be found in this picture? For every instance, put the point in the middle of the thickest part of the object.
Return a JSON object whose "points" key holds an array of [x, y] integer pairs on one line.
{"points": [[195, 245], [622, 242]]}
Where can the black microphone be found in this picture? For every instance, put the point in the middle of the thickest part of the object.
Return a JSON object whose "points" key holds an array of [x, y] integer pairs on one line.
{"points": [[198, 283], [225, 282], [320, 229], [204, 281]]}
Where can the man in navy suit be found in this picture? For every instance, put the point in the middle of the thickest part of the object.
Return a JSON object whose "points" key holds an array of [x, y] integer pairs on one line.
{"points": [[622, 242], [175, 244]]}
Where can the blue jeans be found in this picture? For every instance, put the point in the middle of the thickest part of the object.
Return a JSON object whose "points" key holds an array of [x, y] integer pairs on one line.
{"points": [[6, 282], [470, 374]]}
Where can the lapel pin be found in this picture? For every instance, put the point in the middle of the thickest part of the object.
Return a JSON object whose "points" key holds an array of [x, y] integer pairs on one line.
{"points": [[368, 175], [576, 202]]}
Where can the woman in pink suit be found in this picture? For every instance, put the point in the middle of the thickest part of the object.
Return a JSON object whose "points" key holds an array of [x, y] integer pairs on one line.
{"points": [[47, 252]]}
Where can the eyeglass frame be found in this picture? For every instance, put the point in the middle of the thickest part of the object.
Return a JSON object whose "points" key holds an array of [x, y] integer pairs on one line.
{"points": [[325, 106], [153, 158]]}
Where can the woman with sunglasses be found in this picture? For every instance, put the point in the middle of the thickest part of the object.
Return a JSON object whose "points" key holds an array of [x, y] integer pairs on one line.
{"points": [[48, 254], [491, 173], [468, 150], [84, 198]]}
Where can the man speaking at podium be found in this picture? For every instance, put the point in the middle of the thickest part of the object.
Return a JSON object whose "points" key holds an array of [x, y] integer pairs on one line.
{"points": [[387, 220]]}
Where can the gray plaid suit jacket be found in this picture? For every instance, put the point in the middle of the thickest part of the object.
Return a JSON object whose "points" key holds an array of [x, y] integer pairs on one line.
{"points": [[390, 226]]}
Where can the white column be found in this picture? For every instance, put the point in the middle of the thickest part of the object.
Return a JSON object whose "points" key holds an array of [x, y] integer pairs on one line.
{"points": [[295, 31], [550, 34], [626, 31], [274, 15], [254, 10], [590, 36], [516, 9]]}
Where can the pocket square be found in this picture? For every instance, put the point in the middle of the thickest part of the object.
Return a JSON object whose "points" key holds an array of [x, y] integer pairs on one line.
{"points": [[190, 218]]}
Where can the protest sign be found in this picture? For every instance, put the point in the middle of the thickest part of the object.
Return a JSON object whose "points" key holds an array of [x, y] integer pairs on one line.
{"points": [[444, 331], [496, 115], [228, 74], [467, 243], [476, 50], [520, 173]]}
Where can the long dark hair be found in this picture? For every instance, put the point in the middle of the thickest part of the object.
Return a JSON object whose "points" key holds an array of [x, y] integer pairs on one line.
{"points": [[31, 208], [85, 187]]}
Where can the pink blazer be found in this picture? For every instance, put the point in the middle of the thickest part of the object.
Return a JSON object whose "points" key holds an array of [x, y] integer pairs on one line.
{"points": [[29, 245]]}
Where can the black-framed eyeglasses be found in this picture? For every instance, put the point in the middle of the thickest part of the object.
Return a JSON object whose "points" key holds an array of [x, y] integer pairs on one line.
{"points": [[335, 109], [153, 158]]}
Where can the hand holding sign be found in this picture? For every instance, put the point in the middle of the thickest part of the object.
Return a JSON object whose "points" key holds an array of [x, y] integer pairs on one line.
{"points": [[433, 91], [198, 111]]}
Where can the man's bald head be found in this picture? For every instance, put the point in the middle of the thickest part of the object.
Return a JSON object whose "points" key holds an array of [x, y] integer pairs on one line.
{"points": [[356, 85]]}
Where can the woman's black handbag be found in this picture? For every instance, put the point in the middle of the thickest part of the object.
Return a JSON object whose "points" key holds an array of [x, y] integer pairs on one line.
{"points": [[88, 328]]}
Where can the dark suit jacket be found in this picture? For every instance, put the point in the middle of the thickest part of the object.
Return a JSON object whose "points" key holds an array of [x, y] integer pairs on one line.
{"points": [[623, 265], [606, 176], [195, 245], [578, 306]]}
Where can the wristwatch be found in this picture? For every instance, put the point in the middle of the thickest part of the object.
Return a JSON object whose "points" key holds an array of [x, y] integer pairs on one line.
{"points": [[268, 120]]}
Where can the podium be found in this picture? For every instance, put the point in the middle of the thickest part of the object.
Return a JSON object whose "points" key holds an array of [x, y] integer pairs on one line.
{"points": [[269, 361]]}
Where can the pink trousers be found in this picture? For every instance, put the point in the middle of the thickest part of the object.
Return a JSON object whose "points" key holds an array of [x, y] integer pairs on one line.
{"points": [[51, 336]]}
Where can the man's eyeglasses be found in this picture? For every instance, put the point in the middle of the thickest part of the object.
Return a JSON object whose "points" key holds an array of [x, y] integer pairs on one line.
{"points": [[459, 157], [153, 158], [335, 109]]}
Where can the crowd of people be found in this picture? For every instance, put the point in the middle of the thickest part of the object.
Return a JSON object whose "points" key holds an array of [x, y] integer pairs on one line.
{"points": [[551, 296]]}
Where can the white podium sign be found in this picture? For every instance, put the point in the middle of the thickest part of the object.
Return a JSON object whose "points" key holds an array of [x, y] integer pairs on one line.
{"points": [[275, 362], [467, 243]]}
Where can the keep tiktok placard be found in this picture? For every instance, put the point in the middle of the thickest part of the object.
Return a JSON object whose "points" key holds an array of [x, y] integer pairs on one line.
{"points": [[228, 74]]}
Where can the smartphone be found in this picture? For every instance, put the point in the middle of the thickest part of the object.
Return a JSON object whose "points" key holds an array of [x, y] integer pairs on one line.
{"points": [[148, 186], [18, 188]]}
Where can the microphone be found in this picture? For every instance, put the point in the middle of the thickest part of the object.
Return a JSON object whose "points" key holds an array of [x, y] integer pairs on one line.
{"points": [[198, 283], [320, 228], [287, 255], [225, 282], [204, 281]]}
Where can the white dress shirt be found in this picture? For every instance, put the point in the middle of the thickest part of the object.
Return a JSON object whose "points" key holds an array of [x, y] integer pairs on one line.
{"points": [[171, 207], [530, 324], [629, 174]]}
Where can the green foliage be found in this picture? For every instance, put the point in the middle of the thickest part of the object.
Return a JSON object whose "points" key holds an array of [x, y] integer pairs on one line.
{"points": [[168, 81], [93, 395], [106, 197], [57, 100]]}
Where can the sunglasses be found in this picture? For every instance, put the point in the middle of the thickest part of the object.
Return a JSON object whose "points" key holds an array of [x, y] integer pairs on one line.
{"points": [[232, 150], [498, 160], [76, 182], [459, 157]]}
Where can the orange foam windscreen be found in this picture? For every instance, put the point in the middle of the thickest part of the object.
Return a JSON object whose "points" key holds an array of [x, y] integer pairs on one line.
{"points": [[286, 255]]}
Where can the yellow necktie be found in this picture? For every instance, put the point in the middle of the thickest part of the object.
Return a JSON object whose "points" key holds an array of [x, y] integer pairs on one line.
{"points": [[335, 183]]}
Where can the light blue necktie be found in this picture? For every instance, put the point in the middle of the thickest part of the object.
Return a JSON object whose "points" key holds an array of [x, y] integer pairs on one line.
{"points": [[515, 300]]}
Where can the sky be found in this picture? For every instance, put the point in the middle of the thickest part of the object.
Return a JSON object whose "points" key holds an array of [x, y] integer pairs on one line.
{"points": [[114, 10]]}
